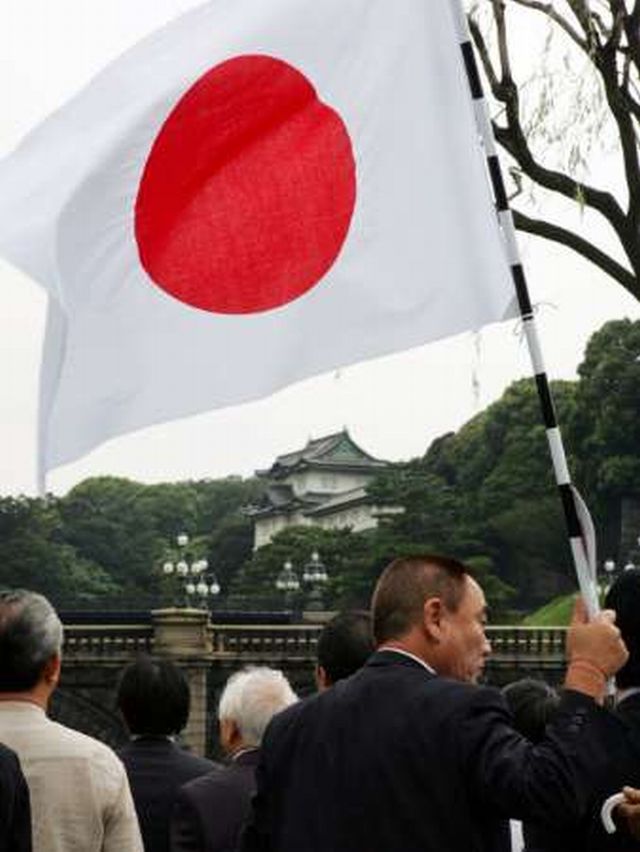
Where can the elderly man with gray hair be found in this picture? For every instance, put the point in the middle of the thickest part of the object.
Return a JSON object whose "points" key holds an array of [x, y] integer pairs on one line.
{"points": [[80, 797], [211, 810]]}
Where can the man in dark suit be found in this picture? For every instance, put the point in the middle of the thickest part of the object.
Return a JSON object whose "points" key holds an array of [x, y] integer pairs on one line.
{"points": [[154, 699], [210, 811], [409, 754], [15, 811], [624, 597]]}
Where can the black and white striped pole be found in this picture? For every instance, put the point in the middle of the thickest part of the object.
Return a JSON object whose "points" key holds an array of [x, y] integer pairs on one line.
{"points": [[578, 521]]}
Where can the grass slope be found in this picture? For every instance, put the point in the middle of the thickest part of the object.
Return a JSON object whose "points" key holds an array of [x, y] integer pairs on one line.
{"points": [[556, 613]]}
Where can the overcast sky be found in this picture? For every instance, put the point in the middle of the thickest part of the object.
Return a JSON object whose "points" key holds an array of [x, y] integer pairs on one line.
{"points": [[393, 406]]}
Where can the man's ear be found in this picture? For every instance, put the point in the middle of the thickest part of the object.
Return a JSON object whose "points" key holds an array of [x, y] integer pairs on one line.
{"points": [[51, 671], [230, 738], [432, 618], [322, 679]]}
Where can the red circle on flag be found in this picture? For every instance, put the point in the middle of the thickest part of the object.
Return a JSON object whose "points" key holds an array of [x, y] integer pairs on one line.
{"points": [[248, 192]]}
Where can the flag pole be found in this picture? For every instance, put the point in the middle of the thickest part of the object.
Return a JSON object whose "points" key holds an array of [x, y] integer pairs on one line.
{"points": [[577, 519]]}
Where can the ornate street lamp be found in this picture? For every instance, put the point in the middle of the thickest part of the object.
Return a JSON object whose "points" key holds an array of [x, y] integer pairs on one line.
{"points": [[315, 571], [287, 580], [314, 577], [198, 581], [610, 567]]}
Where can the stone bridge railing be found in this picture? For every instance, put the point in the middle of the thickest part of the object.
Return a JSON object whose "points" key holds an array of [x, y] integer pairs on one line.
{"points": [[265, 642], [107, 642], [278, 642]]}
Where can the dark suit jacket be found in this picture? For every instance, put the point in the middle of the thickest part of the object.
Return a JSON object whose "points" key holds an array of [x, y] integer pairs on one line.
{"points": [[209, 812], [157, 768], [395, 759], [15, 811], [629, 711], [624, 768]]}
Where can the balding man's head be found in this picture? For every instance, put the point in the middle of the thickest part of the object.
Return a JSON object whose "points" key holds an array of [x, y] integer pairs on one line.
{"points": [[429, 606], [405, 585]]}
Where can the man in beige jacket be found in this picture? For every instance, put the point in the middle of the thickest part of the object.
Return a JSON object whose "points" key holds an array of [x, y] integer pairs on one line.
{"points": [[80, 797]]}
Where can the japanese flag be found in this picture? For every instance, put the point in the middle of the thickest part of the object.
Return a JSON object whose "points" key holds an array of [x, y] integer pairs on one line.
{"points": [[261, 191]]}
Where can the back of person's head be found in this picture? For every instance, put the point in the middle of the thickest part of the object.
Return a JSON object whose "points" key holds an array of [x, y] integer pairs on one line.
{"points": [[345, 644], [153, 696], [624, 598], [533, 704], [30, 635], [405, 585], [251, 698]]}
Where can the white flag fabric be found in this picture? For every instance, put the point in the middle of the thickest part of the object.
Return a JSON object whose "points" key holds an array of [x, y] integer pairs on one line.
{"points": [[261, 191]]}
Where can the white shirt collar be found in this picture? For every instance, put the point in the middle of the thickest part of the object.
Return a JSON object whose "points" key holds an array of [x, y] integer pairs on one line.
{"points": [[410, 655], [621, 694], [25, 706], [242, 751]]}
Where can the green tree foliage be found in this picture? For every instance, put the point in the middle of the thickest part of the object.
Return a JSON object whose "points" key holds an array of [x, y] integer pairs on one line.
{"points": [[104, 521], [606, 424], [501, 454], [229, 545], [606, 420], [130, 529], [34, 555], [345, 555], [486, 495]]}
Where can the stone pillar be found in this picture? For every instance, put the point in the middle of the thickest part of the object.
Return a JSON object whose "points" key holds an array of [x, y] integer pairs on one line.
{"points": [[183, 636]]}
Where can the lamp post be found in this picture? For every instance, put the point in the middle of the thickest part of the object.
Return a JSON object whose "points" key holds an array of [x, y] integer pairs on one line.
{"points": [[288, 582], [634, 556], [315, 577], [193, 580], [609, 566]]}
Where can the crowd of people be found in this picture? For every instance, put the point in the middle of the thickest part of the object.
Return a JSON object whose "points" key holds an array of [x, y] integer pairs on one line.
{"points": [[399, 749]]}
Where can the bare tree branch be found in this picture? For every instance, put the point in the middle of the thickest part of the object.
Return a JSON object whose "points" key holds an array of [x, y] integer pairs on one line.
{"points": [[610, 38], [503, 47], [483, 53], [549, 11], [512, 138], [605, 61], [582, 11], [583, 247]]}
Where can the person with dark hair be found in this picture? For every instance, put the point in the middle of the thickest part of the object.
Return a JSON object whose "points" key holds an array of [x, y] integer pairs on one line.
{"points": [[409, 754], [15, 809], [154, 699], [533, 704], [345, 644], [624, 597], [80, 796]]}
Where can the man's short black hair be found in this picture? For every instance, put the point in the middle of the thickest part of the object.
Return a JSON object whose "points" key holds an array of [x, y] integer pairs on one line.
{"points": [[624, 598], [153, 696], [345, 644], [533, 704]]}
